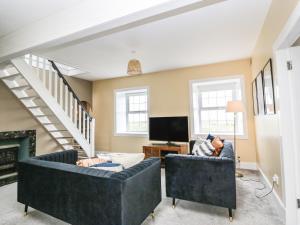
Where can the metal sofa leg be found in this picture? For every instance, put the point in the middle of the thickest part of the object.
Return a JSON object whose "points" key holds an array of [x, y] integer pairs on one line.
{"points": [[152, 215], [230, 215], [26, 210], [173, 203]]}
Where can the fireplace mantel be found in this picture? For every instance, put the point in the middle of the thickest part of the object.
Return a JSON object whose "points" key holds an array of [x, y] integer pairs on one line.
{"points": [[30, 134], [15, 146]]}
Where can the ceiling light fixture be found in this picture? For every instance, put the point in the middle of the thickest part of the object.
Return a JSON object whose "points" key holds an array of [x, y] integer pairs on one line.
{"points": [[134, 66]]}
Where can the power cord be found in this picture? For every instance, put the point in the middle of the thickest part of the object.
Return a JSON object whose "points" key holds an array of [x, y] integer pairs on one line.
{"points": [[259, 189], [265, 195]]}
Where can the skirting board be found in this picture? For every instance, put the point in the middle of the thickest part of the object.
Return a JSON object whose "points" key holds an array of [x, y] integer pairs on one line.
{"points": [[281, 206], [247, 166]]}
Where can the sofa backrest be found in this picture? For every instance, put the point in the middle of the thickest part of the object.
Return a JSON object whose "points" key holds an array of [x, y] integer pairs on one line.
{"points": [[226, 152]]}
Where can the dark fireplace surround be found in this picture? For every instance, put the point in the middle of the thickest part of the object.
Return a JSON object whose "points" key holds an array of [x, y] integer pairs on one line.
{"points": [[15, 146]]}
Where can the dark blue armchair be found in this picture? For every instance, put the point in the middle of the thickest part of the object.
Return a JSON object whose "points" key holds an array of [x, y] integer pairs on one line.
{"points": [[209, 180]]}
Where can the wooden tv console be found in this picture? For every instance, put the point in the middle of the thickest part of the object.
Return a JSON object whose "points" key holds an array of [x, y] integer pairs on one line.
{"points": [[162, 150]]}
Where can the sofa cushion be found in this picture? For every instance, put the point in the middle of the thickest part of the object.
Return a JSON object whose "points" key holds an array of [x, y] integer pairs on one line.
{"points": [[218, 145], [127, 160], [203, 147], [114, 167], [89, 162]]}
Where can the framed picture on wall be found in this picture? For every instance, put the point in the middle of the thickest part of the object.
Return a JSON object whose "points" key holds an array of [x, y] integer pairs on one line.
{"points": [[268, 83], [255, 100], [260, 93]]}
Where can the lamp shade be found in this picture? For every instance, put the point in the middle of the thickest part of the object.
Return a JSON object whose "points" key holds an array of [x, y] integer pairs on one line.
{"points": [[235, 106], [134, 67]]}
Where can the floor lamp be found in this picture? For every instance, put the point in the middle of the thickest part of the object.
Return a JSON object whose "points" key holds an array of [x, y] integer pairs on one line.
{"points": [[235, 107]]}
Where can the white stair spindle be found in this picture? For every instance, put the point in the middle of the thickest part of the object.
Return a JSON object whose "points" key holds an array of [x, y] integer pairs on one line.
{"points": [[71, 106], [83, 124], [61, 89], [66, 99], [88, 128], [79, 118], [50, 81], [55, 85], [76, 112], [30, 59]]}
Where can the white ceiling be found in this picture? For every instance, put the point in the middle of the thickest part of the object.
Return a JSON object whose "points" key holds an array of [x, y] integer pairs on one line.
{"points": [[221, 32], [14, 14]]}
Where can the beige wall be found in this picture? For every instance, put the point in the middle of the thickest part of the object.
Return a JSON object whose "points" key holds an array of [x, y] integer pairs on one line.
{"points": [[169, 96], [267, 127], [82, 88], [14, 116]]}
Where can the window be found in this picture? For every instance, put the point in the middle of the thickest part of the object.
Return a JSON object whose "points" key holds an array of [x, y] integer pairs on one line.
{"points": [[131, 111], [209, 100]]}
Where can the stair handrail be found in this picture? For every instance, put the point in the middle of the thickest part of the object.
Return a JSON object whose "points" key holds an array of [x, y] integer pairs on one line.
{"points": [[69, 88]]}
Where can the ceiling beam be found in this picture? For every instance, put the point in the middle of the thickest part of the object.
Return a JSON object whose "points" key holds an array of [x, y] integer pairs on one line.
{"points": [[89, 20]]}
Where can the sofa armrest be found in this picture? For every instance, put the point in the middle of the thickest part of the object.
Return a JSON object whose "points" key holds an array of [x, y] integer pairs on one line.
{"points": [[67, 156], [203, 179], [141, 185]]}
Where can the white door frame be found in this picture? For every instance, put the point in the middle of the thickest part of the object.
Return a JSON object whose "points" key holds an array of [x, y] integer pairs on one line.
{"points": [[287, 37]]}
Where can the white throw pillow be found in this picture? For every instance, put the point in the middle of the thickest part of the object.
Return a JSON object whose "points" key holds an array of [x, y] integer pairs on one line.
{"points": [[125, 159], [196, 147]]}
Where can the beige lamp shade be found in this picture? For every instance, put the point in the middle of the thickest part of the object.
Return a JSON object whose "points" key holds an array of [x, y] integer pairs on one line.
{"points": [[134, 67], [235, 106]]}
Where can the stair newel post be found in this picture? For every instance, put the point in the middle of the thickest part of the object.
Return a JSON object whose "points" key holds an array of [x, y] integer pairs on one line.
{"points": [[92, 137]]}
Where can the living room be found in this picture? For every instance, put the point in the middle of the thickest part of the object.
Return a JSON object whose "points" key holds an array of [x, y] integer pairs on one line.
{"points": [[107, 87]]}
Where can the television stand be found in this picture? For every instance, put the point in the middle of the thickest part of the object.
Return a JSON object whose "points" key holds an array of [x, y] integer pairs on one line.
{"points": [[161, 150], [166, 144]]}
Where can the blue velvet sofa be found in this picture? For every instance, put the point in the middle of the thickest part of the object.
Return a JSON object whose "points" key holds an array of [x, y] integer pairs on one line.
{"points": [[54, 185], [209, 180]]}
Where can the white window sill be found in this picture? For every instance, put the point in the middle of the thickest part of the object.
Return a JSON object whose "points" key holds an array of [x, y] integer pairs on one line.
{"points": [[131, 134]]}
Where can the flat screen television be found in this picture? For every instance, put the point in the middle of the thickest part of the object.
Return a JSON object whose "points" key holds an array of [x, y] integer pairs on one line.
{"points": [[169, 129]]}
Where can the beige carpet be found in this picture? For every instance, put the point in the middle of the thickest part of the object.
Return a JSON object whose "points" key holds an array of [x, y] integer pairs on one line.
{"points": [[251, 211]]}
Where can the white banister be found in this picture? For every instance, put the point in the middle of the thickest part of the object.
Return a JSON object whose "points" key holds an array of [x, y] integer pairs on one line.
{"points": [[51, 85]]}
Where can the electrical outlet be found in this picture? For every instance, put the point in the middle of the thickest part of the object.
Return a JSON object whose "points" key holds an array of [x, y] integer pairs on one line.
{"points": [[275, 179]]}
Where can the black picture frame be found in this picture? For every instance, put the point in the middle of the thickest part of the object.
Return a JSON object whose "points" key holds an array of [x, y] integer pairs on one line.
{"points": [[268, 86], [260, 94], [255, 99]]}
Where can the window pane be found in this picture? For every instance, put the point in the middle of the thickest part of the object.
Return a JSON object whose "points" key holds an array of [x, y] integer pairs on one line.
{"points": [[209, 114], [133, 109]]}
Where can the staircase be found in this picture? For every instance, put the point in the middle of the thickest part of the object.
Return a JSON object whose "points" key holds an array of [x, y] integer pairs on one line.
{"points": [[40, 86]]}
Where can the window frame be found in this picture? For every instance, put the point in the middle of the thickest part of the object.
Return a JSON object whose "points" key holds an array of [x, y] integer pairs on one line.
{"points": [[244, 99], [134, 134]]}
